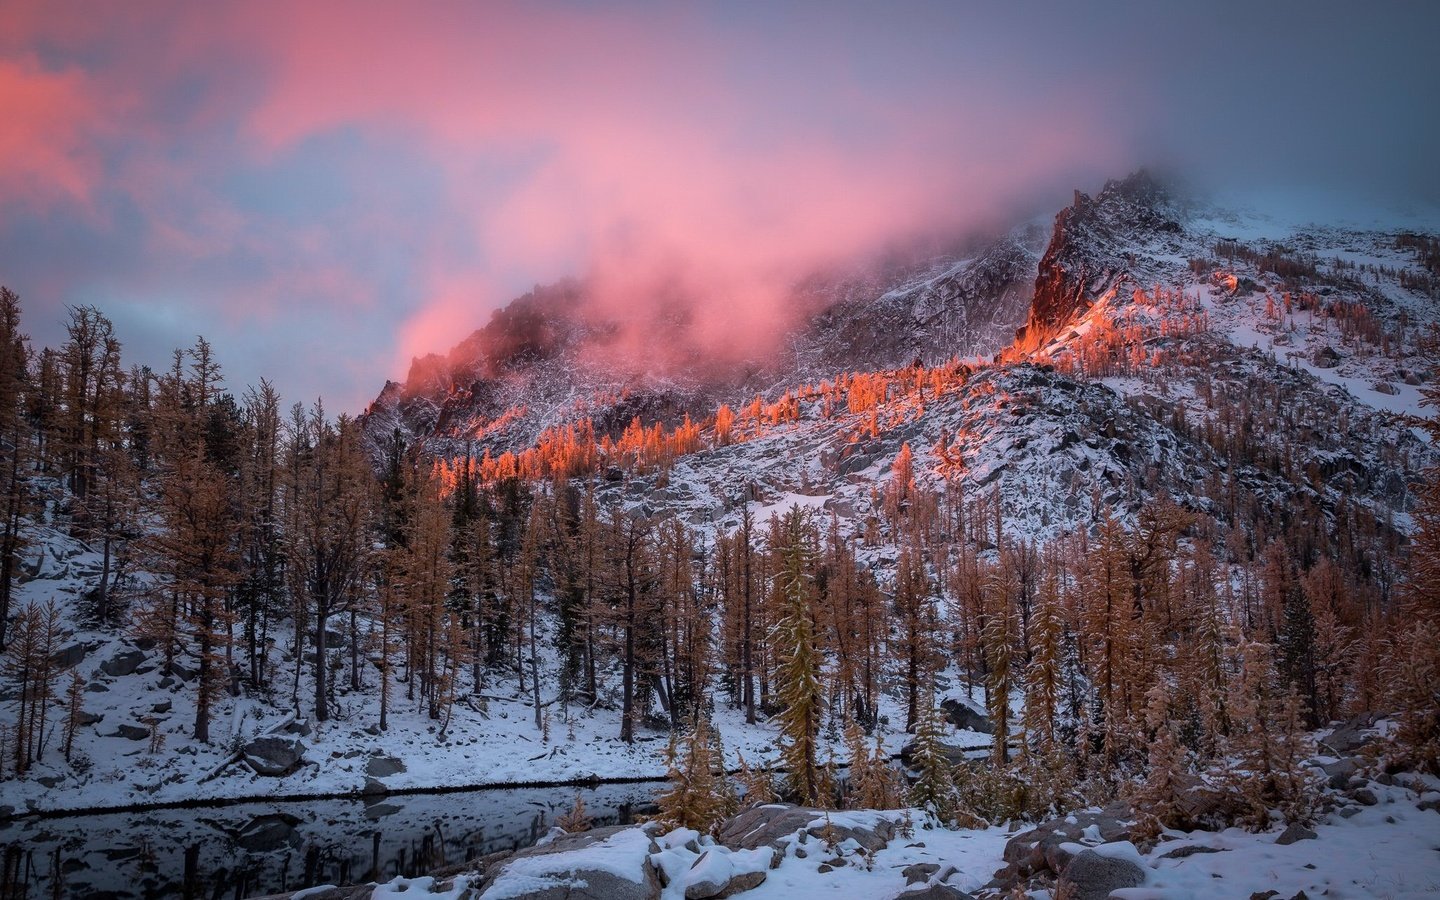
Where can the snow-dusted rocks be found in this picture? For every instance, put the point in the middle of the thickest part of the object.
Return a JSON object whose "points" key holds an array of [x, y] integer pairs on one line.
{"points": [[964, 718], [1050, 846], [770, 825], [383, 767], [1352, 734], [937, 891], [795, 855], [1093, 875], [273, 755], [126, 662], [604, 864], [132, 732], [721, 873]]}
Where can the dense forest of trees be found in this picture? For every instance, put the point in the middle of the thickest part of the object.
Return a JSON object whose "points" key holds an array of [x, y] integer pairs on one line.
{"points": [[272, 552]]}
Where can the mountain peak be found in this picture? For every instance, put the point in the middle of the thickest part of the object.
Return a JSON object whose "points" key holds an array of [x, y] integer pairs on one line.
{"points": [[1088, 250]]}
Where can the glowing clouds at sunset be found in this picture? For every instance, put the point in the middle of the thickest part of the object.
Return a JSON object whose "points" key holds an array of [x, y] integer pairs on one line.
{"points": [[331, 182], [45, 142]]}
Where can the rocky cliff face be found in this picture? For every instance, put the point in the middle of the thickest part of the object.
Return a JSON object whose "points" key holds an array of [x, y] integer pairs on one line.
{"points": [[1091, 250]]}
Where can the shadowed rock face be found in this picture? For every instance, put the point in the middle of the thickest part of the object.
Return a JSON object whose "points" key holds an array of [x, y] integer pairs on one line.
{"points": [[1087, 252]]}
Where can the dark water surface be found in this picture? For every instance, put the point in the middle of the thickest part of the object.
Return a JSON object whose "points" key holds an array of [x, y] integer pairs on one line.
{"points": [[253, 849]]}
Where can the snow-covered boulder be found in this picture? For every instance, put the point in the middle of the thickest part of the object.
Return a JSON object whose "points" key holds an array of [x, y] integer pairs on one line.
{"points": [[603, 864], [383, 767], [273, 756], [769, 825], [1045, 846], [1092, 876], [937, 891], [964, 718], [132, 732], [722, 873], [123, 663]]}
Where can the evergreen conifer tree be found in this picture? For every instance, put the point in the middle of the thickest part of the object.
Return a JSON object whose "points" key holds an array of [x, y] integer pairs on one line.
{"points": [[799, 662]]}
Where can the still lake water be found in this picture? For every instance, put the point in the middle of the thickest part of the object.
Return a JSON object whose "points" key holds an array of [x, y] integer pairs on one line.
{"points": [[253, 849]]}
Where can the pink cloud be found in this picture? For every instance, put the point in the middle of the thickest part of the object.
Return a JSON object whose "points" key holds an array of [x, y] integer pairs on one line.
{"points": [[645, 149], [48, 118]]}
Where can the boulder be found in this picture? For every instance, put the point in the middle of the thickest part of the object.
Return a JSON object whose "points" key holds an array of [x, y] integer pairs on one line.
{"points": [[1200, 806], [871, 838], [1090, 876], [919, 873], [741, 882], [1364, 796], [1042, 847], [714, 874], [769, 825], [123, 663], [68, 657], [273, 756], [1352, 734], [1338, 773], [935, 892], [1295, 832], [765, 826], [559, 870], [954, 754], [383, 766], [1189, 850], [132, 732], [1325, 358], [965, 718]]}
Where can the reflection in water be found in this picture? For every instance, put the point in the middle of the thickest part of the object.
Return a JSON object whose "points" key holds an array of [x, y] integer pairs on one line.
{"points": [[254, 849]]}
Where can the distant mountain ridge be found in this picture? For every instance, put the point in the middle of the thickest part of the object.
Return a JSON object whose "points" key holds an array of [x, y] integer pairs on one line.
{"points": [[542, 360]]}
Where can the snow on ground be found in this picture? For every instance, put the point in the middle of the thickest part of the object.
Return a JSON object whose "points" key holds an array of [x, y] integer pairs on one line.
{"points": [[498, 744], [975, 854], [491, 739], [1389, 850], [1385, 850], [762, 513]]}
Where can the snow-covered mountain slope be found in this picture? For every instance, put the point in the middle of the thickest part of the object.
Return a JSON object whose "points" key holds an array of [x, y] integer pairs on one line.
{"points": [[1149, 365], [1154, 322], [549, 358]]}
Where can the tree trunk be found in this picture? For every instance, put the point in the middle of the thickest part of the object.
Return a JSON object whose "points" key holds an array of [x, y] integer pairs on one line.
{"points": [[627, 682], [202, 703], [322, 615]]}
